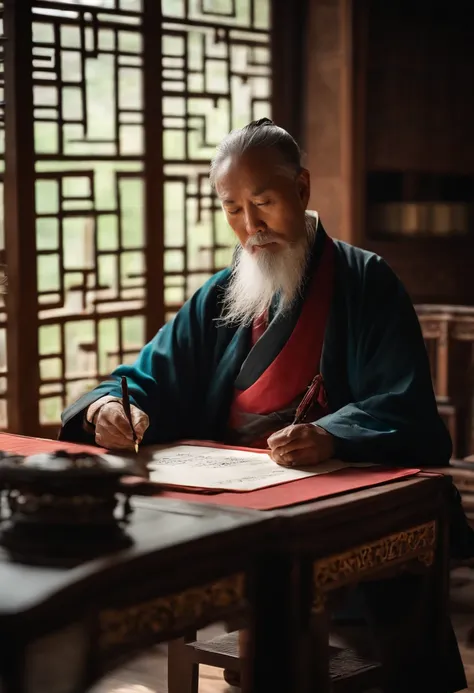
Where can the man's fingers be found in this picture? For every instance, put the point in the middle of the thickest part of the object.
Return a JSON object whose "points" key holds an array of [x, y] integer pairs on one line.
{"points": [[140, 421], [277, 438], [112, 415], [112, 439], [303, 457], [306, 457], [290, 446], [113, 429], [284, 436], [290, 434], [280, 460], [301, 446]]}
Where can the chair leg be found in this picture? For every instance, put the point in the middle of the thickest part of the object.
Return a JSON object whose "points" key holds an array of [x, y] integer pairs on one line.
{"points": [[183, 671]]}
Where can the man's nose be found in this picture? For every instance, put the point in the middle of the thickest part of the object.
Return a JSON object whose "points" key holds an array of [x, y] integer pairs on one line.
{"points": [[253, 223]]}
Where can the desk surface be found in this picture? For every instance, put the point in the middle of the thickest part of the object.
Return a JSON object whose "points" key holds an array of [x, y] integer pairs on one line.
{"points": [[421, 485], [193, 556], [172, 534], [193, 543], [339, 522]]}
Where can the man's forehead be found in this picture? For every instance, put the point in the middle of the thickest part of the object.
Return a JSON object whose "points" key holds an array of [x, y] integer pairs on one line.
{"points": [[255, 170]]}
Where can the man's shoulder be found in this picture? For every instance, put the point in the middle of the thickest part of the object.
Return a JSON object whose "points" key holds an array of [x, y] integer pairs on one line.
{"points": [[219, 279], [356, 256], [202, 308], [207, 298], [363, 264], [213, 286]]}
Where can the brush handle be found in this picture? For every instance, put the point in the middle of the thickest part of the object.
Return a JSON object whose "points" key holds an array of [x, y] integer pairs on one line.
{"points": [[308, 399], [127, 410]]}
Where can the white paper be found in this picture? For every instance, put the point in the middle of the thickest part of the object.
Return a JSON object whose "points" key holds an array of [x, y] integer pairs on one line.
{"points": [[224, 468]]}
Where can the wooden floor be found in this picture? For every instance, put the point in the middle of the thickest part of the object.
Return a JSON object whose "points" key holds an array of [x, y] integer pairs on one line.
{"points": [[462, 613], [147, 674]]}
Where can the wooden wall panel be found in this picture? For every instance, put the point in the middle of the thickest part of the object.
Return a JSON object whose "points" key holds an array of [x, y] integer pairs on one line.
{"points": [[439, 271], [329, 112], [420, 98]]}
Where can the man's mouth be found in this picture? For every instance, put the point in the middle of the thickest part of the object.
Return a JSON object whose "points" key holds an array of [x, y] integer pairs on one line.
{"points": [[267, 242], [268, 245]]}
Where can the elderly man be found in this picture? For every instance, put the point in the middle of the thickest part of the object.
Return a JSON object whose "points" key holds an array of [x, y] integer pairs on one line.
{"points": [[297, 315], [296, 310]]}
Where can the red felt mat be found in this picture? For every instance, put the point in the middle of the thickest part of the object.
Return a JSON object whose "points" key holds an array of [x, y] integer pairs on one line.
{"points": [[283, 495], [302, 490], [23, 445]]}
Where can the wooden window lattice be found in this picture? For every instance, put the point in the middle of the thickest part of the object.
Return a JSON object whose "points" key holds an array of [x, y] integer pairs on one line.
{"points": [[3, 279], [128, 102]]}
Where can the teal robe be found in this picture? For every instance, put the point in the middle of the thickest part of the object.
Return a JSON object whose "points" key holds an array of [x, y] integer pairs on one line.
{"points": [[378, 385], [374, 366]]}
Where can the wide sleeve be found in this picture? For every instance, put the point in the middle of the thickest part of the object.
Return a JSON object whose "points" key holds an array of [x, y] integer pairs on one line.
{"points": [[393, 418], [168, 380]]}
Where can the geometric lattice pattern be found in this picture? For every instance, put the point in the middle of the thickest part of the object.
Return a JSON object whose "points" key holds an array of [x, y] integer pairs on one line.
{"points": [[88, 109], [216, 76], [3, 312], [88, 67]]}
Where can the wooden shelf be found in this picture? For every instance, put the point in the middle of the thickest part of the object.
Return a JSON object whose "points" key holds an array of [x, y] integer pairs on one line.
{"points": [[419, 187], [457, 239]]}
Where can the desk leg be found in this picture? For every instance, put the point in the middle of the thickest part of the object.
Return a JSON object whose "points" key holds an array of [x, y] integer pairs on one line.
{"points": [[440, 589], [409, 620], [279, 624], [183, 672], [450, 670], [12, 665], [319, 643]]}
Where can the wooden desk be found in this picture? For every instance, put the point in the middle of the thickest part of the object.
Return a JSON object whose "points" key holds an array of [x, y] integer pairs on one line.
{"points": [[342, 541], [62, 629], [366, 536]]}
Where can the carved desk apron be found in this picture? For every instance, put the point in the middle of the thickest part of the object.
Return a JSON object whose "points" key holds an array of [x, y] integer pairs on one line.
{"points": [[62, 628]]}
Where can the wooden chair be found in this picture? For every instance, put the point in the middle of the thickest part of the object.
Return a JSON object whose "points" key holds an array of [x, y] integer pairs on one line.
{"points": [[450, 415], [435, 323], [350, 672], [443, 327]]}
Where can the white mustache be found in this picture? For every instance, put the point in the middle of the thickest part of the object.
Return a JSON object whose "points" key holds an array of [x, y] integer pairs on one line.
{"points": [[262, 238]]}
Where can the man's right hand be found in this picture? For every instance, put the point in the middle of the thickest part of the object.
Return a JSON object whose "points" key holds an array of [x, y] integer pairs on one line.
{"points": [[112, 428]]}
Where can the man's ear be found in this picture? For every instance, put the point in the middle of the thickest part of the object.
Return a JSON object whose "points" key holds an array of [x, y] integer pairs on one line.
{"points": [[303, 183]]}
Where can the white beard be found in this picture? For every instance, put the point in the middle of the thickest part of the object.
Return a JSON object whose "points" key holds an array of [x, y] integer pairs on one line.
{"points": [[257, 277]]}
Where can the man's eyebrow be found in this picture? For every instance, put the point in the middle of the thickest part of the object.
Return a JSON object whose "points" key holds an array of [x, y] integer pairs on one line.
{"points": [[255, 193], [259, 191]]}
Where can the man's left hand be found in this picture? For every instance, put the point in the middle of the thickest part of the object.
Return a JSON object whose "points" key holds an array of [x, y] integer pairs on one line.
{"points": [[301, 445]]}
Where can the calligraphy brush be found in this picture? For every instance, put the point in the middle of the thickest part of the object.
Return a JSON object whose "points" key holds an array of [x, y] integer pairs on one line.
{"points": [[127, 410], [305, 404]]}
